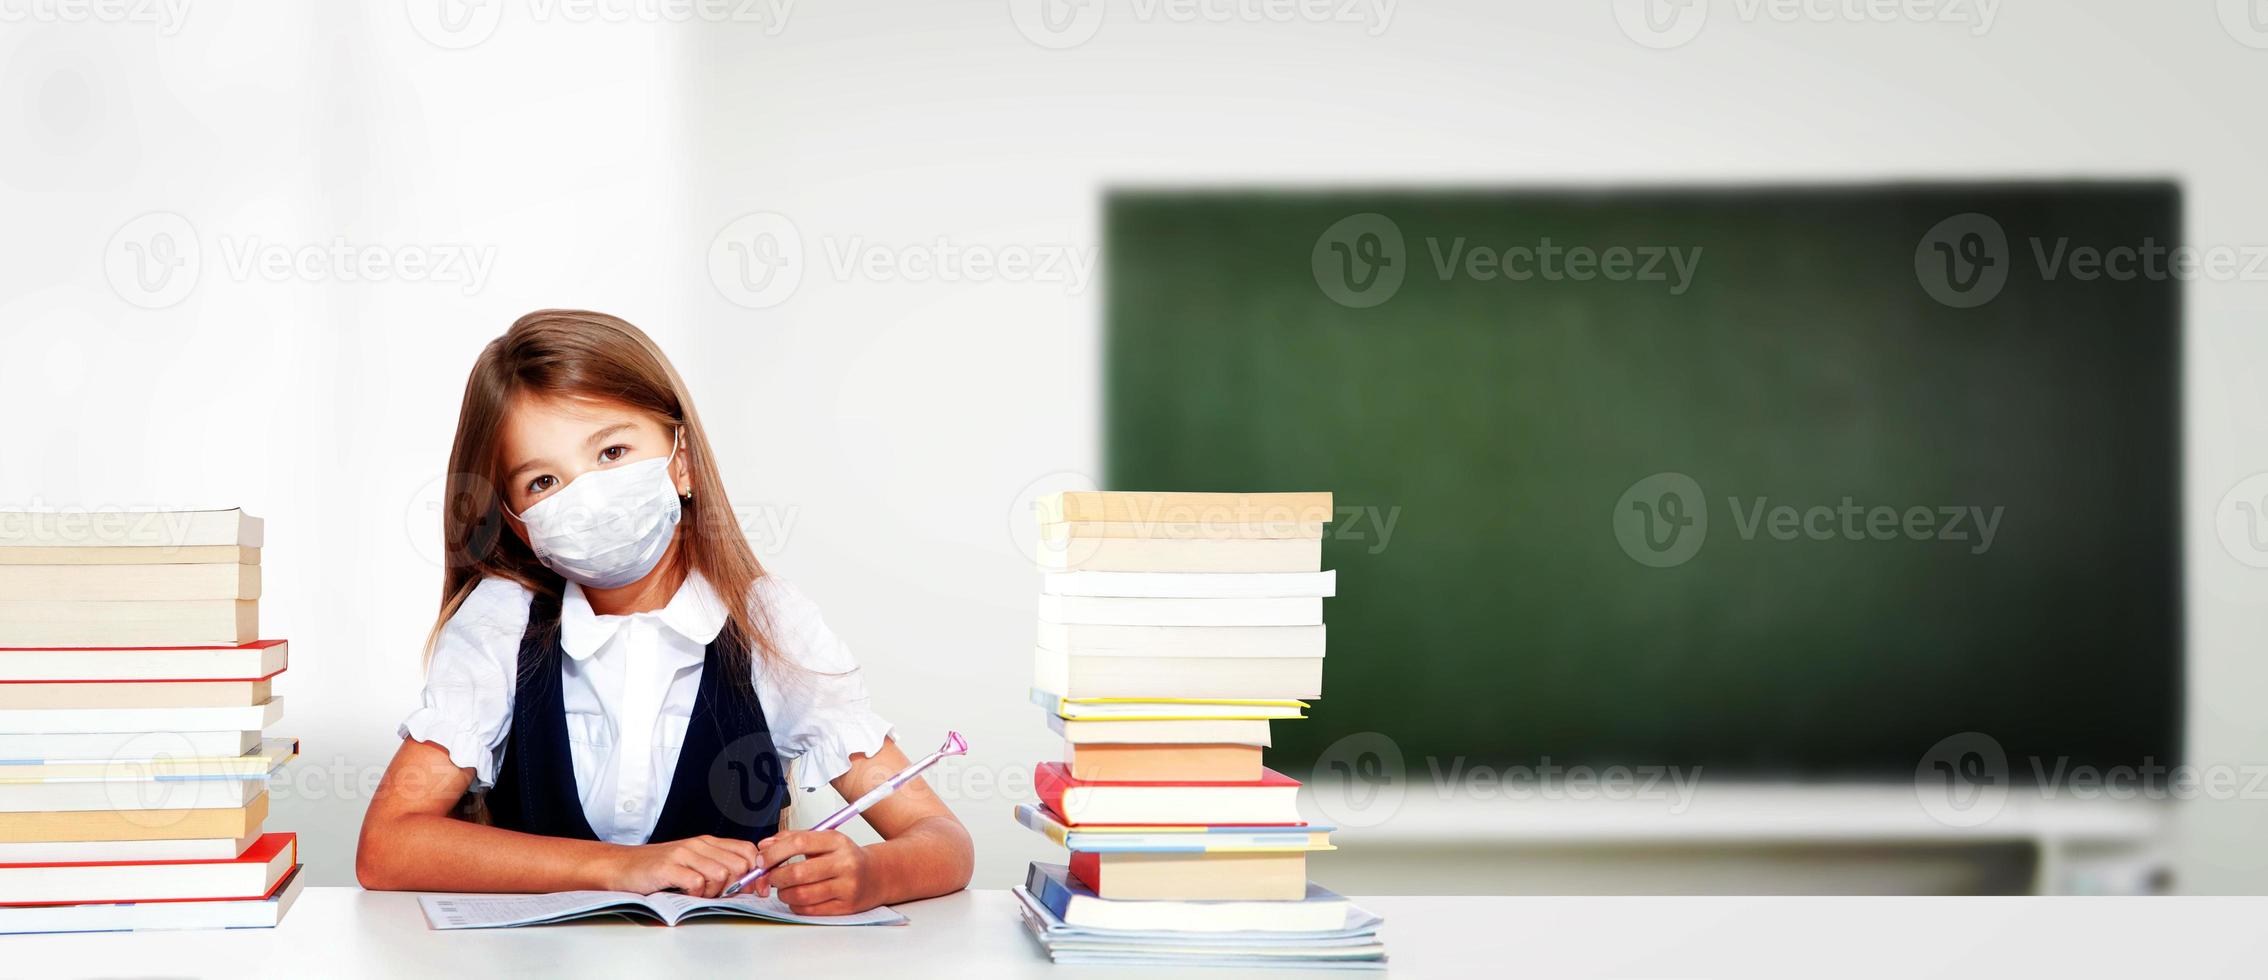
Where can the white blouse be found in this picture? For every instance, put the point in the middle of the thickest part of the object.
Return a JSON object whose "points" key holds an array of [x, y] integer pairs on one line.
{"points": [[629, 686]]}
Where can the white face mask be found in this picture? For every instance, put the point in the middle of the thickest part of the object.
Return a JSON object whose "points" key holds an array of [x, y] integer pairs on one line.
{"points": [[607, 528]]}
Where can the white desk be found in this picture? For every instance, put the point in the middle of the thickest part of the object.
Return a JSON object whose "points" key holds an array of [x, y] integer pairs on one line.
{"points": [[344, 932]]}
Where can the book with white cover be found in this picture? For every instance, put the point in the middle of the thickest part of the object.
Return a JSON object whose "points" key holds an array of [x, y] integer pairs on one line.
{"points": [[1260, 678], [187, 849], [1185, 555], [1116, 731], [128, 623], [217, 554], [266, 758], [1182, 641], [135, 583], [1110, 611], [28, 721], [129, 529], [131, 796], [256, 913], [1192, 585], [251, 661], [505, 911], [33, 747], [1166, 709], [1184, 531]]}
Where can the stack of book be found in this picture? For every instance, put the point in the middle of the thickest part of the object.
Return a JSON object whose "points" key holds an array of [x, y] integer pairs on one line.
{"points": [[134, 690], [1173, 628]]}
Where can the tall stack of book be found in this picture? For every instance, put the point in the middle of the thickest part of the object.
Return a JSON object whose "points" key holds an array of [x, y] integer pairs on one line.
{"points": [[1173, 628], [134, 690]]}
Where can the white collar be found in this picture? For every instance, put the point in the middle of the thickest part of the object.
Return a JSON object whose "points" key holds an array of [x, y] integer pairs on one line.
{"points": [[693, 613]]}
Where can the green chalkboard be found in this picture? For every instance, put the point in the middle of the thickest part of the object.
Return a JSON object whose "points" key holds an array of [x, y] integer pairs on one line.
{"points": [[1542, 390]]}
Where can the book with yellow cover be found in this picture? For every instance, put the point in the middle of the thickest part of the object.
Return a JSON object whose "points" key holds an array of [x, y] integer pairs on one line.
{"points": [[1159, 508]]}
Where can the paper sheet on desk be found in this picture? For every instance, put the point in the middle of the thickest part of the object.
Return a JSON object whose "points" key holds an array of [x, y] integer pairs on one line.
{"points": [[501, 911]]}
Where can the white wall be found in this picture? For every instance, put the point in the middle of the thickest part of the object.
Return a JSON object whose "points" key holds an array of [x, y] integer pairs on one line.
{"points": [[891, 427]]}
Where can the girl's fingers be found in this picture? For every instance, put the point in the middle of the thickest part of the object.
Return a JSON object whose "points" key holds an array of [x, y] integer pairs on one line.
{"points": [[816, 893], [713, 874], [734, 861], [806, 871], [682, 878], [740, 849]]}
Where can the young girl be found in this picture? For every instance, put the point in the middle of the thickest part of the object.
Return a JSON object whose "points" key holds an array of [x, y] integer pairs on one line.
{"points": [[616, 674]]}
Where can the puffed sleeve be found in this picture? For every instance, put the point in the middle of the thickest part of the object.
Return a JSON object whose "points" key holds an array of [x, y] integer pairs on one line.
{"points": [[469, 682], [816, 703]]}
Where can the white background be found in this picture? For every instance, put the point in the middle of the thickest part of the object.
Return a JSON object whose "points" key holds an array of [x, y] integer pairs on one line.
{"points": [[891, 427]]}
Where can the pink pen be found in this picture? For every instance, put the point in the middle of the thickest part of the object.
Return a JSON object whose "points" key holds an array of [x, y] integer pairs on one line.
{"points": [[954, 745]]}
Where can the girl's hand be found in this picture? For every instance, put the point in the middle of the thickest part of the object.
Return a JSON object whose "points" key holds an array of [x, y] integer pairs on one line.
{"points": [[699, 866], [832, 879]]}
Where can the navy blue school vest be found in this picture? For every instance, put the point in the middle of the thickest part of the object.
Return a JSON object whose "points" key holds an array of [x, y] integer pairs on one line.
{"points": [[728, 782]]}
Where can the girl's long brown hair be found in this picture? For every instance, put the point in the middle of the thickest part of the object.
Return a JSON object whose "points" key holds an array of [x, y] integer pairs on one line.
{"points": [[578, 354]]}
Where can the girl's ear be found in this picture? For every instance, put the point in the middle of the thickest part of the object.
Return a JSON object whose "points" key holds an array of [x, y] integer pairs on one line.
{"points": [[681, 470]]}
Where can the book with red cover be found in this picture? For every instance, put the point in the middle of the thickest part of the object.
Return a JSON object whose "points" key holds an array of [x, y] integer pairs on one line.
{"points": [[256, 660], [251, 875], [1271, 799], [1236, 876]]}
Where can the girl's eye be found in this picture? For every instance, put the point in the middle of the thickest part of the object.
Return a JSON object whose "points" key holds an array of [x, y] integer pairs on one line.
{"points": [[612, 453], [541, 484]]}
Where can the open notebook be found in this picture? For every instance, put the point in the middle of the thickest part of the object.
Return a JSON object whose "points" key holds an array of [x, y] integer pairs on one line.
{"points": [[499, 911]]}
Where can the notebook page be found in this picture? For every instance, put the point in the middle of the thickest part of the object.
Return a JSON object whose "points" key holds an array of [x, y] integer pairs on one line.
{"points": [[490, 911], [771, 908]]}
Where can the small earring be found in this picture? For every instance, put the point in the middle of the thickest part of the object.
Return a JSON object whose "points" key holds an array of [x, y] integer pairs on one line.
{"points": [[686, 493]]}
